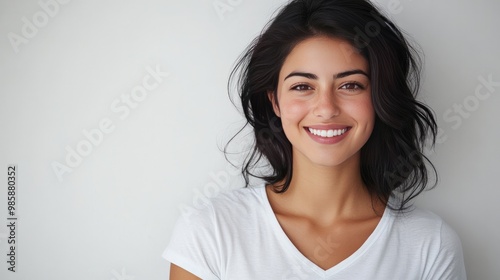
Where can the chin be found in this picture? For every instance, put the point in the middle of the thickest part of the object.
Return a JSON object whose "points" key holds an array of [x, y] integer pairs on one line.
{"points": [[328, 162], [333, 160]]}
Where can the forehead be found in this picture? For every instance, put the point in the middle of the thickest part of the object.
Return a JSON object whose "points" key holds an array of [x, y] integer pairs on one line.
{"points": [[324, 55]]}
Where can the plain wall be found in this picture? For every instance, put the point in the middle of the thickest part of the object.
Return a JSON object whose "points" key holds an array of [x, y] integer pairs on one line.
{"points": [[67, 70]]}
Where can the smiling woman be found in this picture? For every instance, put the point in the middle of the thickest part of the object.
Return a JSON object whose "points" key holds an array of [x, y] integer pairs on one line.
{"points": [[335, 116], [324, 96]]}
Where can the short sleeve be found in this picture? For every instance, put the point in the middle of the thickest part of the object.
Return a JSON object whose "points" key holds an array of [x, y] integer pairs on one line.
{"points": [[449, 262], [193, 245]]}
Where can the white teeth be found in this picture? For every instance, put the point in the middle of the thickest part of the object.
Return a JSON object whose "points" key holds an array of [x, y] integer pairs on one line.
{"points": [[327, 133]]}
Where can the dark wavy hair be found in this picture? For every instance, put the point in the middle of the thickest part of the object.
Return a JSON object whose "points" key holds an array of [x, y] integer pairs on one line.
{"points": [[392, 160]]}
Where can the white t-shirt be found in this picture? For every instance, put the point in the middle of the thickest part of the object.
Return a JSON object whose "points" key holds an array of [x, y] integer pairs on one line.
{"points": [[237, 236]]}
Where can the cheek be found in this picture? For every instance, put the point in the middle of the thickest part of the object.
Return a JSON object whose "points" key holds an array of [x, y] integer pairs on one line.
{"points": [[359, 110], [366, 109], [365, 114], [293, 110]]}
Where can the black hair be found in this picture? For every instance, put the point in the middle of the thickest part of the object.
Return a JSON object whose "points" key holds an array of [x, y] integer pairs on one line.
{"points": [[392, 160]]}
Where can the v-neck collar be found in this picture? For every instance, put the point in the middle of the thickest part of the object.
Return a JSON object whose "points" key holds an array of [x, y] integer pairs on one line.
{"points": [[381, 227]]}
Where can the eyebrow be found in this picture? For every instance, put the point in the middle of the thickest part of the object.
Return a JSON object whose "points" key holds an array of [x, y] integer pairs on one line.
{"points": [[336, 76]]}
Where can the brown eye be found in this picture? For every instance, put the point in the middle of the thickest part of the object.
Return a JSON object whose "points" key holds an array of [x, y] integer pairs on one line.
{"points": [[351, 86], [301, 87]]}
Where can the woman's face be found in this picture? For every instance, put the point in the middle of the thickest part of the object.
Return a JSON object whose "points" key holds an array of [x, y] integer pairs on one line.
{"points": [[324, 101]]}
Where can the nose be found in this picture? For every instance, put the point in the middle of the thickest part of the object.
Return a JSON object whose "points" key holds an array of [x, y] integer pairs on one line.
{"points": [[326, 105]]}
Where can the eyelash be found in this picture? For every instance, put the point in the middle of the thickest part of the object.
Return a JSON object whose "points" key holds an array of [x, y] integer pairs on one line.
{"points": [[295, 87], [356, 84]]}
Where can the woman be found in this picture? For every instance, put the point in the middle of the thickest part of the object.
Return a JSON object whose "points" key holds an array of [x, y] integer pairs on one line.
{"points": [[329, 90]]}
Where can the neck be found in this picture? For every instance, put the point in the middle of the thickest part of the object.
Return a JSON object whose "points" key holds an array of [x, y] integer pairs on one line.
{"points": [[328, 193]]}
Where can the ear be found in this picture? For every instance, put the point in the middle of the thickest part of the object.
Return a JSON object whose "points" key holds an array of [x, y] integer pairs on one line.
{"points": [[274, 102]]}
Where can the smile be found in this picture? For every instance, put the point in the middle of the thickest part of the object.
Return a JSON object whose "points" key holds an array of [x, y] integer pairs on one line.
{"points": [[327, 133]]}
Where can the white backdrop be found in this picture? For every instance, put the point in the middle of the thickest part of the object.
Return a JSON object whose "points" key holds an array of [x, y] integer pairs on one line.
{"points": [[114, 111]]}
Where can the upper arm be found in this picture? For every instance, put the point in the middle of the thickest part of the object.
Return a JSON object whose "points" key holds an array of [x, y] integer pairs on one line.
{"points": [[449, 262], [193, 247], [178, 273]]}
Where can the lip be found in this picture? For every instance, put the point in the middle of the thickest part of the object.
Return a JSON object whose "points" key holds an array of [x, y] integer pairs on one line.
{"points": [[327, 140], [329, 126]]}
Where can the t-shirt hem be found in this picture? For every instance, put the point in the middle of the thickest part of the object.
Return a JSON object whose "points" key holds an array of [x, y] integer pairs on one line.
{"points": [[184, 263]]}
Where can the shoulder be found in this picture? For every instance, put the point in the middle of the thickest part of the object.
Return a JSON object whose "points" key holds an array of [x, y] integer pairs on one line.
{"points": [[240, 202], [418, 218], [437, 244], [424, 223], [240, 198], [206, 232], [422, 226]]}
